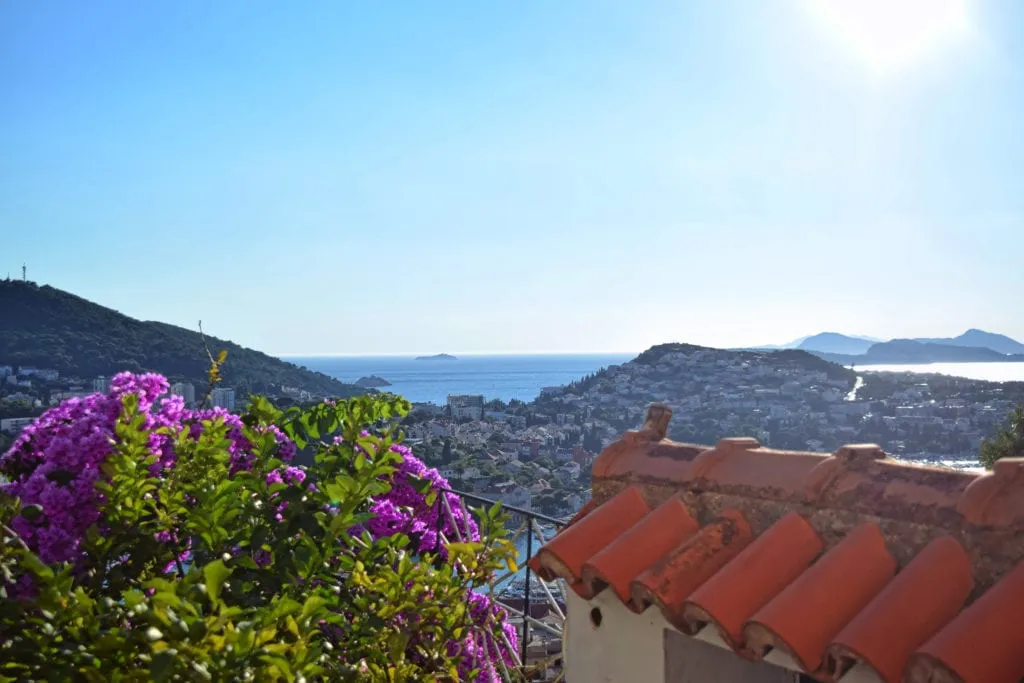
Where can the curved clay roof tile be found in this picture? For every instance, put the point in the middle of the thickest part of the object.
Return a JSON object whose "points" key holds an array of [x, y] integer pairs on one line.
{"points": [[807, 615], [923, 598], [637, 549], [997, 498], [671, 580], [983, 644], [759, 573], [565, 554]]}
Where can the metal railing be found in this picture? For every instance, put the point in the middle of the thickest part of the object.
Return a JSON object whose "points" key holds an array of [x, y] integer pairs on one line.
{"points": [[519, 600]]}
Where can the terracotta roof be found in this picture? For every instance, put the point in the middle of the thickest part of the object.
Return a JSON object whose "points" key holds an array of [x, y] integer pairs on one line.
{"points": [[833, 560]]}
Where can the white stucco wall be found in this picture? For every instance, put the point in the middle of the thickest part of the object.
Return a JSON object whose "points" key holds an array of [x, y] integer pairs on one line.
{"points": [[625, 648], [644, 648]]}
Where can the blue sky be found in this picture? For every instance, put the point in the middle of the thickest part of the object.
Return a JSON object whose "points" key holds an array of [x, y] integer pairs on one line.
{"points": [[343, 177]]}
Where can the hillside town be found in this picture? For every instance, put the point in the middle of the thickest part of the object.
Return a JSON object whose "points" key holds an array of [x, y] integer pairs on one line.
{"points": [[537, 456], [26, 391]]}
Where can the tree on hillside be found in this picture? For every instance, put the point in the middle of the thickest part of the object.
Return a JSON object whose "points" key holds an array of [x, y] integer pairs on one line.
{"points": [[1007, 443]]}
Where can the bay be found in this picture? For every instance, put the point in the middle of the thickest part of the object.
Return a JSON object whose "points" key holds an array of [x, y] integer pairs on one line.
{"points": [[991, 372], [494, 376]]}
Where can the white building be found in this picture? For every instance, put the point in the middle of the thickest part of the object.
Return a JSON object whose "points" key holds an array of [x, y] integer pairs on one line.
{"points": [[60, 396], [6, 370], [516, 497], [466, 406], [186, 391], [101, 385], [222, 398], [15, 424]]}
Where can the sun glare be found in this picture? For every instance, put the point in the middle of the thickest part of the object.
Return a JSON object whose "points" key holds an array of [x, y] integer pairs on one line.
{"points": [[891, 35]]}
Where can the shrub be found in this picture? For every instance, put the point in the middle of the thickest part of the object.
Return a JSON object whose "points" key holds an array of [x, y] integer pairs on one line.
{"points": [[143, 541], [1008, 442]]}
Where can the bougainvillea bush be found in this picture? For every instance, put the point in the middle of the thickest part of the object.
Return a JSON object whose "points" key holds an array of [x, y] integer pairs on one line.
{"points": [[145, 541]]}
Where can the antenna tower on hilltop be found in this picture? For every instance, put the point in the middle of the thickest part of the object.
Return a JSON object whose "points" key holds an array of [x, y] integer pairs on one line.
{"points": [[24, 273]]}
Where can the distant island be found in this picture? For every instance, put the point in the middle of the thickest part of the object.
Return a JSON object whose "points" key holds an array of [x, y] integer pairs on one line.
{"points": [[911, 351], [439, 356], [372, 382], [973, 346]]}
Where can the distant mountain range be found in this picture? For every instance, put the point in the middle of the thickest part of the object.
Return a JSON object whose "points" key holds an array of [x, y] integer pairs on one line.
{"points": [[981, 339], [50, 328], [972, 346]]}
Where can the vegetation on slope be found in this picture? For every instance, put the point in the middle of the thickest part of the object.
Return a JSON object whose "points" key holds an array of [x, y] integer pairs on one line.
{"points": [[49, 328], [804, 359], [1007, 443]]}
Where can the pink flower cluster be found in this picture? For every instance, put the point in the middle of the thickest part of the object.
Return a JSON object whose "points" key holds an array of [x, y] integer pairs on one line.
{"points": [[55, 461], [403, 509]]}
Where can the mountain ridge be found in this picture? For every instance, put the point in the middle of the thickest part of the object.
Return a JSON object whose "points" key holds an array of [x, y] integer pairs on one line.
{"points": [[856, 345], [47, 327], [913, 351], [979, 338]]}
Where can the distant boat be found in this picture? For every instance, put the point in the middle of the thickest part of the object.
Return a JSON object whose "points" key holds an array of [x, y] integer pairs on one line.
{"points": [[439, 356]]}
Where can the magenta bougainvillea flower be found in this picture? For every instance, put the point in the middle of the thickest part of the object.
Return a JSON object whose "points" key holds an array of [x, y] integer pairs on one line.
{"points": [[56, 461]]}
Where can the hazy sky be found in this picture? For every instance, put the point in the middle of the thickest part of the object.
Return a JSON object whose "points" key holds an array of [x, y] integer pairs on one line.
{"points": [[345, 176]]}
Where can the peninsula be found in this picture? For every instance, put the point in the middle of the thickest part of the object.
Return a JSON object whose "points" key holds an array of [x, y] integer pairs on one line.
{"points": [[439, 356], [372, 382]]}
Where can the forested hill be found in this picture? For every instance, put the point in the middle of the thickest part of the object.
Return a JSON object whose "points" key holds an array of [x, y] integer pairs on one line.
{"points": [[49, 328]]}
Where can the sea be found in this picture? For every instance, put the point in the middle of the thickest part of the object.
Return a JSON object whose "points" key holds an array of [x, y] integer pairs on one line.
{"points": [[523, 376], [992, 372], [499, 376]]}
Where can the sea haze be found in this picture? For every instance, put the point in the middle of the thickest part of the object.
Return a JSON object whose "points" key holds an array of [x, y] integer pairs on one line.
{"points": [[505, 377]]}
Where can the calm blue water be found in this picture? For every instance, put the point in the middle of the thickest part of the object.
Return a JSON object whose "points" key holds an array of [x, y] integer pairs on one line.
{"points": [[504, 377]]}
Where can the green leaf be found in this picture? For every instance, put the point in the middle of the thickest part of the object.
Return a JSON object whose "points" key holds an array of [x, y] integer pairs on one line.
{"points": [[35, 565], [420, 484], [162, 666], [215, 574], [285, 607], [310, 607]]}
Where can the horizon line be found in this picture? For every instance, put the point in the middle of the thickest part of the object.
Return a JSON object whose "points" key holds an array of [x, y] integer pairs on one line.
{"points": [[457, 354]]}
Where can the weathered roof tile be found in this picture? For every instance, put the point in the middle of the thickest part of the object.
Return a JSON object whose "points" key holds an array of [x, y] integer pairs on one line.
{"points": [[671, 580], [983, 644], [640, 547], [759, 573], [920, 600], [804, 618]]}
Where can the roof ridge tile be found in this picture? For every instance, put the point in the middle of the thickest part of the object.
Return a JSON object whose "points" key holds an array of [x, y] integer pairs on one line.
{"points": [[996, 498]]}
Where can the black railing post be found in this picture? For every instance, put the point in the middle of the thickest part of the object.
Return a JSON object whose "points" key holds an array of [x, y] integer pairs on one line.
{"points": [[440, 523], [531, 518], [526, 592]]}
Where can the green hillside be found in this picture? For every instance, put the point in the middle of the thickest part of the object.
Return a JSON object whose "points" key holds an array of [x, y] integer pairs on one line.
{"points": [[49, 328]]}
